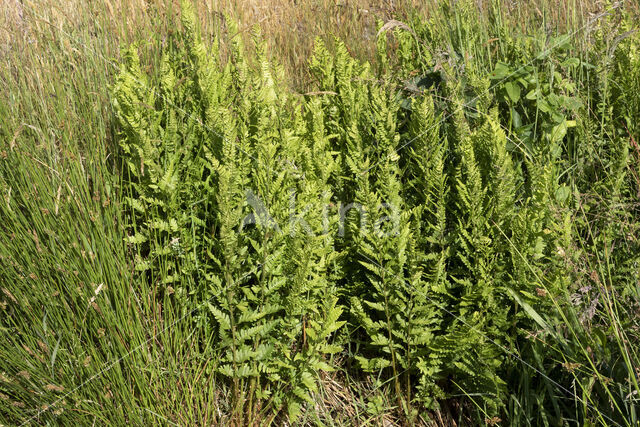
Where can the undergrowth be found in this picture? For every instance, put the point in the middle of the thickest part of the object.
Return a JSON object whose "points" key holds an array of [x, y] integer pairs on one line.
{"points": [[450, 231]]}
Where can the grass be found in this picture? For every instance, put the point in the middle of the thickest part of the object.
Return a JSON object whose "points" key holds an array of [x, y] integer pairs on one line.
{"points": [[82, 337], [85, 338]]}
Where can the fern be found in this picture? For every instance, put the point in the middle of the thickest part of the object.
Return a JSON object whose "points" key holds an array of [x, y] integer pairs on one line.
{"points": [[417, 198], [222, 162]]}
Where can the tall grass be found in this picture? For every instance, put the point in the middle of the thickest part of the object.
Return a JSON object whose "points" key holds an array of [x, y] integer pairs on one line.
{"points": [[82, 337]]}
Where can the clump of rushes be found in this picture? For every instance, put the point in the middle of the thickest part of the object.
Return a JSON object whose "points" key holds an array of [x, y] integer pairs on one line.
{"points": [[78, 342]]}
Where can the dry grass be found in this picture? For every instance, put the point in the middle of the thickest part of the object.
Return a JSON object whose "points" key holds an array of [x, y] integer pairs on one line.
{"points": [[291, 26], [288, 26]]}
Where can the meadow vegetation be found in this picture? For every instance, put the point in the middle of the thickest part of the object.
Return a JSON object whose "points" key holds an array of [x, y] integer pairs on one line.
{"points": [[329, 213]]}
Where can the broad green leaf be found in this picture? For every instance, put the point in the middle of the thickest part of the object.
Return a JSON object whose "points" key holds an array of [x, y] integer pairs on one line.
{"points": [[513, 90]]}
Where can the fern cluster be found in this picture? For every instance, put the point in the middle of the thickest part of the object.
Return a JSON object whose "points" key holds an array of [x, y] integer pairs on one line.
{"points": [[445, 235], [215, 170], [440, 228]]}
